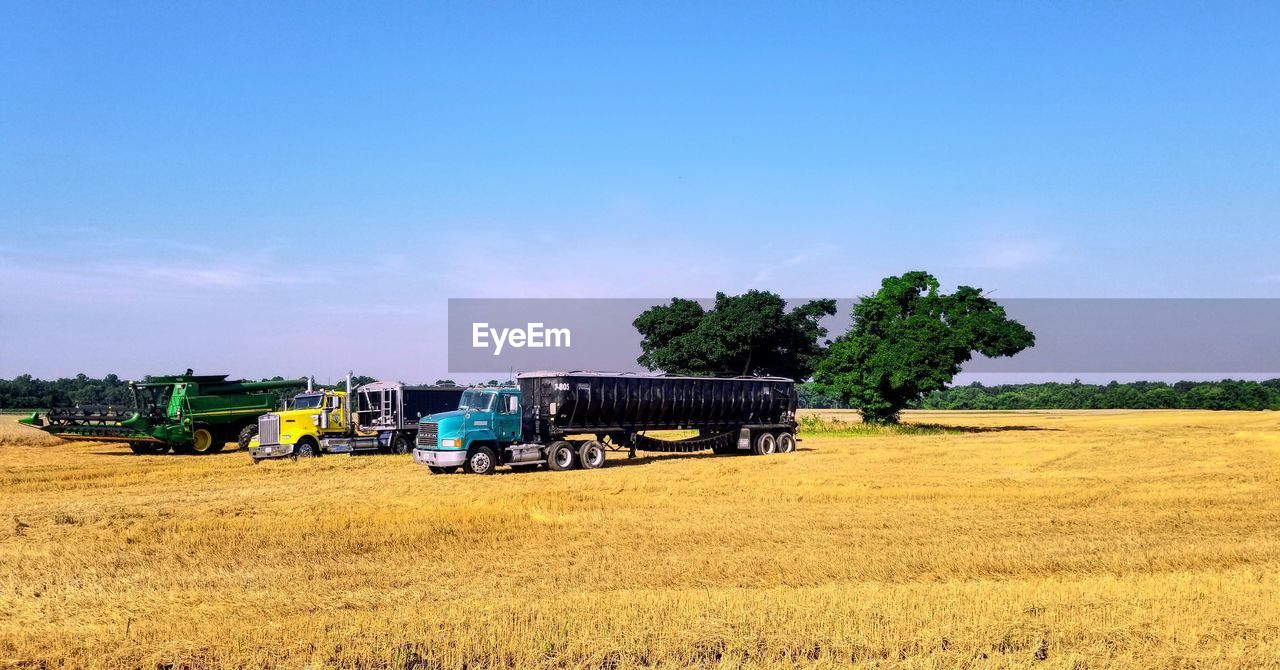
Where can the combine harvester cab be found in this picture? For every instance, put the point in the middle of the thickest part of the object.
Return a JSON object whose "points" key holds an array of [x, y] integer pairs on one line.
{"points": [[188, 413], [376, 417]]}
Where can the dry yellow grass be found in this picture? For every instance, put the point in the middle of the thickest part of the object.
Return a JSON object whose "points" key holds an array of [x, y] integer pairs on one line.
{"points": [[1046, 539]]}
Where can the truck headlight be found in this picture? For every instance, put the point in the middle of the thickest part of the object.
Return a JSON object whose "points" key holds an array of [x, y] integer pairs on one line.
{"points": [[451, 442]]}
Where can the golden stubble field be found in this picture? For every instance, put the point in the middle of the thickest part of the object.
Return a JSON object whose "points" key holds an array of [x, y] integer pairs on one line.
{"points": [[1028, 539]]}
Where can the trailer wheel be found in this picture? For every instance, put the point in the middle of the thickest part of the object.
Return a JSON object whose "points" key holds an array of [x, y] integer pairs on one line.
{"points": [[481, 461], [442, 470], [561, 456], [786, 442], [401, 445], [765, 444], [202, 441], [246, 434], [591, 455]]}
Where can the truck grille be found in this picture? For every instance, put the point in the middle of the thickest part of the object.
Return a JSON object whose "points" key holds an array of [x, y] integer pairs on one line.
{"points": [[428, 432], [269, 429]]}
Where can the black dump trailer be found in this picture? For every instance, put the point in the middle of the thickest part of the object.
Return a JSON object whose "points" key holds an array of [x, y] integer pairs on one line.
{"points": [[420, 401], [387, 415], [731, 414]]}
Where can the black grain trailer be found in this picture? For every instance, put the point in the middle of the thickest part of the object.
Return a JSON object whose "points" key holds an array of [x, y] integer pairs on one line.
{"points": [[570, 419]]}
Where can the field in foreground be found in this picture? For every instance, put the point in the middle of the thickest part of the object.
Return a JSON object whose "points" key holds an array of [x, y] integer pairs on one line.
{"points": [[1046, 539]]}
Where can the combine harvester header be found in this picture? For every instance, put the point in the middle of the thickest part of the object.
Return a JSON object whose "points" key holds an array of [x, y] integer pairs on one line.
{"points": [[187, 413]]}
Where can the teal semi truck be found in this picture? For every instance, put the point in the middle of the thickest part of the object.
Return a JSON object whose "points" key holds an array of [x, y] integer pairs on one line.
{"points": [[567, 420]]}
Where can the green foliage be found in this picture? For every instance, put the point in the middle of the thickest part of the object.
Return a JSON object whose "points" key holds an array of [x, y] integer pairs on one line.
{"points": [[25, 392], [810, 394], [341, 384], [748, 334], [812, 425], [909, 339], [1225, 394]]}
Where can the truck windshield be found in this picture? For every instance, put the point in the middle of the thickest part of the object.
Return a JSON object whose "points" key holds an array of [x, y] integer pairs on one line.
{"points": [[476, 401], [308, 401]]}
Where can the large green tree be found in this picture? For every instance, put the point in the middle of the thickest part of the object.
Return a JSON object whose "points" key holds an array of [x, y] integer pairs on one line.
{"points": [[910, 339], [748, 334]]}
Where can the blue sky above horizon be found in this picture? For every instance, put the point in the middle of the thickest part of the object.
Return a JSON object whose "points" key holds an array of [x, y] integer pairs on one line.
{"points": [[293, 188]]}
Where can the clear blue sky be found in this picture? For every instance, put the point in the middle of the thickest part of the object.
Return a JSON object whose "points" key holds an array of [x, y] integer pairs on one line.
{"points": [[232, 186]]}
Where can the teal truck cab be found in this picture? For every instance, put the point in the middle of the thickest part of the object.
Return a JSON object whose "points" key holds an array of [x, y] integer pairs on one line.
{"points": [[486, 422]]}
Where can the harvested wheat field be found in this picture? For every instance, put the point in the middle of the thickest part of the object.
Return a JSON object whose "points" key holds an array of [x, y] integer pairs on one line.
{"points": [[1049, 539]]}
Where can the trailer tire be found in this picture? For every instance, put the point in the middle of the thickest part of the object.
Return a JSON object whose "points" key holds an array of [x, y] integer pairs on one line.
{"points": [[246, 434], [786, 442], [764, 444], [202, 441], [591, 455], [442, 470], [481, 461], [401, 445], [561, 456], [305, 448]]}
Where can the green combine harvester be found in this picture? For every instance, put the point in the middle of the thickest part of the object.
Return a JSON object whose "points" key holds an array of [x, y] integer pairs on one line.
{"points": [[190, 414]]}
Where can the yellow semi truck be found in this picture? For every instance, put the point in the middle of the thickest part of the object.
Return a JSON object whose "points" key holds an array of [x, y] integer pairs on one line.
{"points": [[379, 416], [301, 427]]}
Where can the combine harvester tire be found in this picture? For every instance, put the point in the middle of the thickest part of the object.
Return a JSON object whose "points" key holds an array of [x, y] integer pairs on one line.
{"points": [[247, 433]]}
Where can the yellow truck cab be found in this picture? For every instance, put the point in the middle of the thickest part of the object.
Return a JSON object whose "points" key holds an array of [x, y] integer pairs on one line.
{"points": [[299, 428]]}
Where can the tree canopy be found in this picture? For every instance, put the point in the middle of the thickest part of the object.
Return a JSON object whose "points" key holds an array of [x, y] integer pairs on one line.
{"points": [[910, 339], [748, 334]]}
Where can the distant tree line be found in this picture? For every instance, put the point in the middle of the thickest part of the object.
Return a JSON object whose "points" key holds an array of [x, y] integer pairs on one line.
{"points": [[1225, 394], [27, 392]]}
